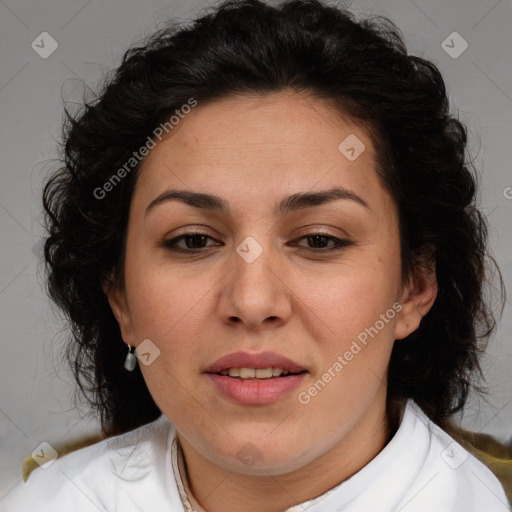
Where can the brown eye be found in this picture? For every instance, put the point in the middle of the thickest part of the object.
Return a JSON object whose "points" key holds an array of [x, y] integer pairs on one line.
{"points": [[318, 242], [194, 242]]}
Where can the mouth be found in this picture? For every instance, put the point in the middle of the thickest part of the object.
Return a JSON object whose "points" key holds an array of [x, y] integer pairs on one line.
{"points": [[261, 365], [255, 379], [257, 373]]}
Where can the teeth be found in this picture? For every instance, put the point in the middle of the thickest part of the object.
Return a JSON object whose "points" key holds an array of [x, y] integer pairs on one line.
{"points": [[252, 373], [263, 373], [247, 373]]}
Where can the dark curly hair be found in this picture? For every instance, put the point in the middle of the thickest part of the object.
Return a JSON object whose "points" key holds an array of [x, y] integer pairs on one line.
{"points": [[246, 46]]}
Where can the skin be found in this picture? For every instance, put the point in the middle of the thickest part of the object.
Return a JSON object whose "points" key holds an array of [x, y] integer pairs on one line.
{"points": [[309, 306]]}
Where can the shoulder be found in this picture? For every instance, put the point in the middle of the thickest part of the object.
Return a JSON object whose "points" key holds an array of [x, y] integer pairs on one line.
{"points": [[97, 476], [451, 478]]}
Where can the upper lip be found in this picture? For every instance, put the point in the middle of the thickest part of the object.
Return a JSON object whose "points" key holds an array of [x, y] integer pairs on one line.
{"points": [[259, 360]]}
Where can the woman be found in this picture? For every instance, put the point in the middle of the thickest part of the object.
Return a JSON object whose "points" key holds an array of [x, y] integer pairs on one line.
{"points": [[265, 237]]}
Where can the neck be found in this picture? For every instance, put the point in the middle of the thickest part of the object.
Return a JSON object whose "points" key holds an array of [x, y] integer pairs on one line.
{"points": [[216, 489]]}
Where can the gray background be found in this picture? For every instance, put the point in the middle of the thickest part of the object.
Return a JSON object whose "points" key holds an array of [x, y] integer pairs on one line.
{"points": [[36, 390]]}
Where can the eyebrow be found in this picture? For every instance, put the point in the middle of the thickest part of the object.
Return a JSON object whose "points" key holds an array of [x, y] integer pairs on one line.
{"points": [[290, 204]]}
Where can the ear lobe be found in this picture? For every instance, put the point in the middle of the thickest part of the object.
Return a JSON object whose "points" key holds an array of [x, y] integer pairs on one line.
{"points": [[117, 299], [417, 299]]}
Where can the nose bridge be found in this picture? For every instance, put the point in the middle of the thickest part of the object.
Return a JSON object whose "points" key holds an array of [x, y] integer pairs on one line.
{"points": [[255, 291], [253, 263]]}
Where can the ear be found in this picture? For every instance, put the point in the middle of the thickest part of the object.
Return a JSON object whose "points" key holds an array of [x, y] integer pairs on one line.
{"points": [[418, 296], [118, 303]]}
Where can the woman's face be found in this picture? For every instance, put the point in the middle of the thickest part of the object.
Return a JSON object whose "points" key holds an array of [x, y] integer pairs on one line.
{"points": [[314, 280]]}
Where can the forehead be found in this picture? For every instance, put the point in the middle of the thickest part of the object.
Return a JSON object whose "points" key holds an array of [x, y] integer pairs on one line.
{"points": [[281, 142], [275, 125]]}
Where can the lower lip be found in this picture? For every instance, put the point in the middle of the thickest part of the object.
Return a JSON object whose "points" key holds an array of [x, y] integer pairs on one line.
{"points": [[255, 392]]}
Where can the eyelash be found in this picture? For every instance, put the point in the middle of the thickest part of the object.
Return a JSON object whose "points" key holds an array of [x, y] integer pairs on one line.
{"points": [[339, 243]]}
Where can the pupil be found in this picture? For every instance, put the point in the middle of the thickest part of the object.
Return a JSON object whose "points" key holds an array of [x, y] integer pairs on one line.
{"points": [[317, 238], [195, 238], [314, 240]]}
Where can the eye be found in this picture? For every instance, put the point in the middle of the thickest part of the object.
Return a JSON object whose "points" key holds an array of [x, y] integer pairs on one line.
{"points": [[321, 239], [196, 241]]}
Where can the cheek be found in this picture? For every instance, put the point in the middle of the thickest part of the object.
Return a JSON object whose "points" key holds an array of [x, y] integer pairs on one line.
{"points": [[165, 300], [351, 296], [358, 310]]}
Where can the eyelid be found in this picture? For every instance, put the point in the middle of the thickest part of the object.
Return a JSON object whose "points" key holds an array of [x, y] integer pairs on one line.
{"points": [[339, 243]]}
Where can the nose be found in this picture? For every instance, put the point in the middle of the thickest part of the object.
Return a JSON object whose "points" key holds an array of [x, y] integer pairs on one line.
{"points": [[255, 292]]}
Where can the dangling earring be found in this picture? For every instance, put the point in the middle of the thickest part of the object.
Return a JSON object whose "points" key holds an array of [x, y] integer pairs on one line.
{"points": [[130, 361]]}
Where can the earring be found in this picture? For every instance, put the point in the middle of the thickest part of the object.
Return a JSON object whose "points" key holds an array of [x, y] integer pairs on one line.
{"points": [[130, 360]]}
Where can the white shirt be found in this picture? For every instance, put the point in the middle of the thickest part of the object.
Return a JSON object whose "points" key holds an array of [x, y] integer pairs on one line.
{"points": [[421, 469]]}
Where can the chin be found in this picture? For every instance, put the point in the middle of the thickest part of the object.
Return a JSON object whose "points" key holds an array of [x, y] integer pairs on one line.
{"points": [[263, 458]]}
